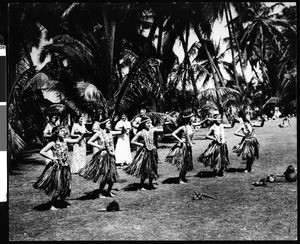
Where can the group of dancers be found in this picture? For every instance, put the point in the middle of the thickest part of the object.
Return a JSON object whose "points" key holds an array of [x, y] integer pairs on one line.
{"points": [[55, 178]]}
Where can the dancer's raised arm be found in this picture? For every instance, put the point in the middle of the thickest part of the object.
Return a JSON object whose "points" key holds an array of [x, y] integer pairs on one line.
{"points": [[44, 150], [237, 132], [134, 139], [174, 134], [92, 140]]}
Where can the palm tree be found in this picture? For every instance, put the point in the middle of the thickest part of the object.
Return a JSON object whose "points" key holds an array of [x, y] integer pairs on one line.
{"points": [[221, 91], [89, 57], [262, 40], [26, 34]]}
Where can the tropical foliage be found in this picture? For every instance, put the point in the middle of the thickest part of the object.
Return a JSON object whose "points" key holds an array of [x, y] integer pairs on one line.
{"points": [[120, 57]]}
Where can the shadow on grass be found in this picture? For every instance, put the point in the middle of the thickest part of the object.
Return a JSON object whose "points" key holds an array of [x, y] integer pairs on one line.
{"points": [[137, 186], [89, 195], [205, 174], [209, 174], [132, 187], [47, 205], [172, 180], [234, 170], [93, 195]]}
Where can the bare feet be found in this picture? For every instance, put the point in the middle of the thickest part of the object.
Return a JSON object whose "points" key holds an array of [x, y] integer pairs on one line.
{"points": [[53, 208], [152, 187]]}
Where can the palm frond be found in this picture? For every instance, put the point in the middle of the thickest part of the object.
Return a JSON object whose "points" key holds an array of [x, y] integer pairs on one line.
{"points": [[90, 93], [271, 100], [15, 143], [142, 76], [221, 92], [209, 105]]}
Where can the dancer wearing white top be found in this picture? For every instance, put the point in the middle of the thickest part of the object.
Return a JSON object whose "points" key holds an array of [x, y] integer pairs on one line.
{"points": [[216, 154]]}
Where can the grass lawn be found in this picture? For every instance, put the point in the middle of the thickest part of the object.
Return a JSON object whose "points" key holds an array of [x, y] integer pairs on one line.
{"points": [[240, 211]]}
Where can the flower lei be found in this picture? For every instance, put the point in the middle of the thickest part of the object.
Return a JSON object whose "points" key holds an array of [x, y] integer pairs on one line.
{"points": [[148, 139]]}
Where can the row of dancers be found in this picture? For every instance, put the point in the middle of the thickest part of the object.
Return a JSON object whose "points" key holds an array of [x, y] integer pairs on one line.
{"points": [[78, 159], [56, 176]]}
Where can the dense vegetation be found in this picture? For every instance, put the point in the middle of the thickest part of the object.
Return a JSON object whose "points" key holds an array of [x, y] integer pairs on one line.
{"points": [[119, 57]]}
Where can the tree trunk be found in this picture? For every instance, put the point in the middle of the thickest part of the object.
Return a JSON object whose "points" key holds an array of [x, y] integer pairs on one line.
{"points": [[219, 73], [196, 93], [218, 102], [153, 29], [159, 41], [207, 53], [213, 67], [237, 43], [119, 72], [110, 28], [231, 44], [255, 72]]}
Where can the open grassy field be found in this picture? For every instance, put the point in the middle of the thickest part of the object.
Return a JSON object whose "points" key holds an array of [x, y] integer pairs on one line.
{"points": [[240, 211]]}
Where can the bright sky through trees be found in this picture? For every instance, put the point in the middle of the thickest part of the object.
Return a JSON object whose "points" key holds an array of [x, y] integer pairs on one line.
{"points": [[219, 33]]}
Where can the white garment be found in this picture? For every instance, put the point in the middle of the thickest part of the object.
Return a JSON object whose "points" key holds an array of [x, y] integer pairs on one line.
{"points": [[123, 153], [79, 150]]}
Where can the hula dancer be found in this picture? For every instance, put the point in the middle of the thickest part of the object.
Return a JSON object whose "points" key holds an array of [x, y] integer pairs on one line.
{"points": [[249, 146], [56, 177], [102, 165], [216, 155], [95, 129], [181, 153], [144, 164]]}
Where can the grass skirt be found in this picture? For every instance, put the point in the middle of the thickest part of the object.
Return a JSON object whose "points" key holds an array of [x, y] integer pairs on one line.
{"points": [[144, 164], [55, 180], [180, 154], [102, 166], [215, 156], [248, 148]]}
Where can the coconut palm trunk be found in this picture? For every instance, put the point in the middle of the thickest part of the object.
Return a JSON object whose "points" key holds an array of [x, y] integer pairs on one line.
{"points": [[231, 44], [110, 29], [236, 41]]}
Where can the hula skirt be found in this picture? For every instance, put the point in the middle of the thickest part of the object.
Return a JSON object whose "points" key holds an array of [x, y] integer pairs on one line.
{"points": [[102, 166], [248, 148], [215, 156], [55, 180], [181, 155], [144, 164]]}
